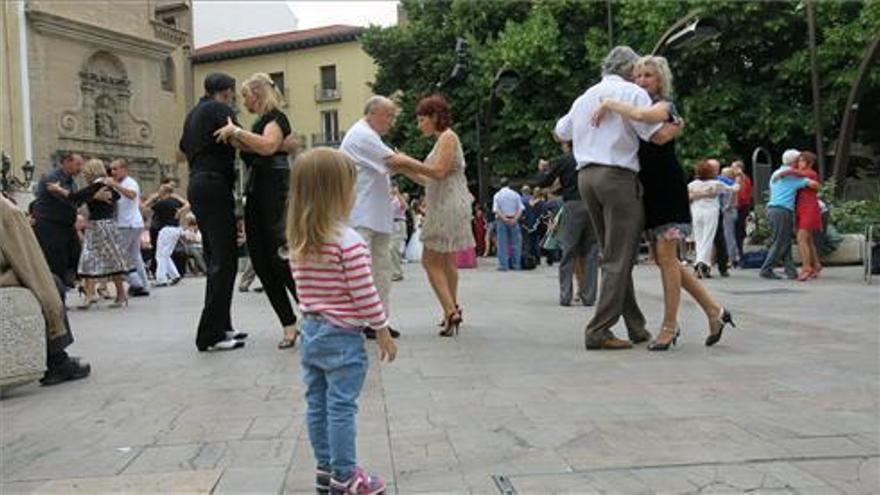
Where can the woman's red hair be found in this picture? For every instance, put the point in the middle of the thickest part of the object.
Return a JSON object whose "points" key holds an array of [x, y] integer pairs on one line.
{"points": [[436, 106]]}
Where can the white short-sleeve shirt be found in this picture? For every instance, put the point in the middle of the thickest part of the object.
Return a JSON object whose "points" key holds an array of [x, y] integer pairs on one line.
{"points": [[372, 207], [128, 211], [615, 141]]}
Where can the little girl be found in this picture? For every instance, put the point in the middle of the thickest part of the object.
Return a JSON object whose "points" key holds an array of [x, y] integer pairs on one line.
{"points": [[331, 267]]}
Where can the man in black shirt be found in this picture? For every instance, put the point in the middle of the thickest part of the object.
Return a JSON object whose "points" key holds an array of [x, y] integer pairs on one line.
{"points": [[54, 216], [211, 181], [576, 236]]}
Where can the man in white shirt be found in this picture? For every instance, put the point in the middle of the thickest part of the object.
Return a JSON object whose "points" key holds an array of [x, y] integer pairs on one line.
{"points": [[131, 224], [508, 207], [608, 166], [372, 215]]}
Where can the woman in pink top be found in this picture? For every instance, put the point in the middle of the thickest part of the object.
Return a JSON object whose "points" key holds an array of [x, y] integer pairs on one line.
{"points": [[331, 265]]}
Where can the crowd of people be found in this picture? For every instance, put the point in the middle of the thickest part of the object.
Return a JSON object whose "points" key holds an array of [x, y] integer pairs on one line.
{"points": [[331, 230]]}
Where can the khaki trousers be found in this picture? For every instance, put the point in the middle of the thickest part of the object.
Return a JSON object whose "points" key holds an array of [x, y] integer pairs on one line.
{"points": [[380, 251], [613, 196]]}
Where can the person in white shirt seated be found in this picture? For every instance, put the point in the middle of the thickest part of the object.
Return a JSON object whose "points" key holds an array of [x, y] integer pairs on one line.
{"points": [[608, 166]]}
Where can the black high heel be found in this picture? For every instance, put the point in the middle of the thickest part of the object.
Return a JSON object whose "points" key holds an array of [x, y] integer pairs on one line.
{"points": [[724, 319], [442, 323], [664, 346], [453, 322]]}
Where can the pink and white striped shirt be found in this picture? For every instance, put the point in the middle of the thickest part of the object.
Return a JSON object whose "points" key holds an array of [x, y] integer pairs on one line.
{"points": [[338, 283]]}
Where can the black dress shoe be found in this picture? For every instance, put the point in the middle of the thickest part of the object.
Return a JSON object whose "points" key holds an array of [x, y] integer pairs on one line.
{"points": [[640, 337], [138, 292], [71, 369], [223, 345]]}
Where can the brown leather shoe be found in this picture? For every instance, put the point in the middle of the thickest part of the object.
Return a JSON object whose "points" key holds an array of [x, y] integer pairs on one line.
{"points": [[610, 344]]}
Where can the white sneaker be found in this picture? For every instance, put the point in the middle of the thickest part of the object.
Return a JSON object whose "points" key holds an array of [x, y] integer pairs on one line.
{"points": [[226, 345]]}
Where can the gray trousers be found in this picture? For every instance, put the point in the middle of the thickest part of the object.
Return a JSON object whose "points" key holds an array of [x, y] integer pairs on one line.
{"points": [[729, 217], [130, 243], [398, 244], [613, 196], [578, 246], [781, 225]]}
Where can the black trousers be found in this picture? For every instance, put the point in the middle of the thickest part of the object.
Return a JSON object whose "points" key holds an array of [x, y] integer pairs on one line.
{"points": [[55, 353], [721, 258], [214, 206], [60, 247], [265, 215]]}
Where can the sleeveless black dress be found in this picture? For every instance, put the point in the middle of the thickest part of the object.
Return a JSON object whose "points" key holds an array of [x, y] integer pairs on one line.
{"points": [[665, 194]]}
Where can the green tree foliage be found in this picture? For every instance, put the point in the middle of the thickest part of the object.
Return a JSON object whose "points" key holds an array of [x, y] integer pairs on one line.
{"points": [[749, 87]]}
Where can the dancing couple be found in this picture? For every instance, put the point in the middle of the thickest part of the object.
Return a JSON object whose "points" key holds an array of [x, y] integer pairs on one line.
{"points": [[630, 180]]}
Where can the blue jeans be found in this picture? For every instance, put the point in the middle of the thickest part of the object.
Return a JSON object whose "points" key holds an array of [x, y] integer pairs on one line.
{"points": [[334, 365], [509, 236]]}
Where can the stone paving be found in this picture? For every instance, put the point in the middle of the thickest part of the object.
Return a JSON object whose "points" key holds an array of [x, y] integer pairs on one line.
{"points": [[786, 403]]}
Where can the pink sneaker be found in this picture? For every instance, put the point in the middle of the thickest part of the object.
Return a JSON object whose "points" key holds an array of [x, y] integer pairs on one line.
{"points": [[360, 483]]}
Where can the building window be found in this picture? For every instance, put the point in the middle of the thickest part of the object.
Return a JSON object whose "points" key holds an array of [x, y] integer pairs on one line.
{"points": [[278, 80], [328, 88], [166, 74], [329, 127], [170, 20], [328, 77]]}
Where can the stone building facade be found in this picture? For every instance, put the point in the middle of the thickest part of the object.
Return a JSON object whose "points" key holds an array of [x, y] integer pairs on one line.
{"points": [[103, 78]]}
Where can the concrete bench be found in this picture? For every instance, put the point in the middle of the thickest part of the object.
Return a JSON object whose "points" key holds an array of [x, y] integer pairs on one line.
{"points": [[22, 338]]}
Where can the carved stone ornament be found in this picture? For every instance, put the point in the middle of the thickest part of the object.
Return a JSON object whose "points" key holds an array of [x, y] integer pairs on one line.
{"points": [[104, 114]]}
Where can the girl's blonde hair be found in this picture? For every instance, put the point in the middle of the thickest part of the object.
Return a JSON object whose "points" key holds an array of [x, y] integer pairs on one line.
{"points": [[321, 196], [93, 169], [263, 87], [660, 67]]}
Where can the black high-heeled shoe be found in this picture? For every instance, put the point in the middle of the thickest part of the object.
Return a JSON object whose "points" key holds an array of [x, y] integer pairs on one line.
{"points": [[453, 322], [716, 327], [442, 323], [656, 345]]}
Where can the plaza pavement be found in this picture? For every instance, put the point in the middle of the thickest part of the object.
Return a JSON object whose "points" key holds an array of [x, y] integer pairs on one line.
{"points": [[786, 403]]}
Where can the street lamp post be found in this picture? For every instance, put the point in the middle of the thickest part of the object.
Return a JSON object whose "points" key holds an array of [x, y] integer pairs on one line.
{"points": [[814, 76], [690, 30], [506, 80]]}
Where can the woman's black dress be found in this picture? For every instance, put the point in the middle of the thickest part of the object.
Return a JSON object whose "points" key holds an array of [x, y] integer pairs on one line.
{"points": [[665, 194]]}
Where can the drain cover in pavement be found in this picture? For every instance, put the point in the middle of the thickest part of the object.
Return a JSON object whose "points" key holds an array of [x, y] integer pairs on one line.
{"points": [[505, 487]]}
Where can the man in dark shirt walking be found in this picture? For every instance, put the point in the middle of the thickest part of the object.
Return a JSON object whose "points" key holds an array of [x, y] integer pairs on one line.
{"points": [[211, 182], [576, 236]]}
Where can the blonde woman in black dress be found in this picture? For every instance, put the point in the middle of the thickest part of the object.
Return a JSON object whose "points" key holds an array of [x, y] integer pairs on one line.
{"points": [[667, 210]]}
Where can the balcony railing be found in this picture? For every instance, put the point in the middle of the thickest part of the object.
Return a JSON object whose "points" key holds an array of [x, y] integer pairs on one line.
{"points": [[322, 139], [328, 94]]}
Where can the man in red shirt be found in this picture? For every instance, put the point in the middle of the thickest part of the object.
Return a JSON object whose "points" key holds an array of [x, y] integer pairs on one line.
{"points": [[744, 202]]}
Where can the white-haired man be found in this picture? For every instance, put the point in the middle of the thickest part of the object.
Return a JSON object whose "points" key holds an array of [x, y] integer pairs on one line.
{"points": [[372, 215], [780, 216], [608, 166]]}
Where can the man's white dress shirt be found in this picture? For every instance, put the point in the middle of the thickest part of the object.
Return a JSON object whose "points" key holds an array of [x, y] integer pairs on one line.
{"points": [[615, 141], [372, 209]]}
